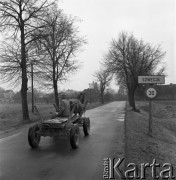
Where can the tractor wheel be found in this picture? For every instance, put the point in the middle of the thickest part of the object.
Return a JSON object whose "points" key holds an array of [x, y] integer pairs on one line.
{"points": [[33, 136], [74, 136], [86, 126]]}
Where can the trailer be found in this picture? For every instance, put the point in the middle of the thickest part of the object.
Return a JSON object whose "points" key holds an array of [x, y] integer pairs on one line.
{"points": [[60, 126]]}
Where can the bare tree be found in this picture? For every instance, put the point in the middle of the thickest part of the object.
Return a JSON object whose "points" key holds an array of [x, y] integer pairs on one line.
{"points": [[103, 77], [10, 63], [20, 18], [129, 58], [59, 47]]}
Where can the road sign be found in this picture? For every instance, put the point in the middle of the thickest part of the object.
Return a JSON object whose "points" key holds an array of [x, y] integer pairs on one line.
{"points": [[151, 79], [151, 92]]}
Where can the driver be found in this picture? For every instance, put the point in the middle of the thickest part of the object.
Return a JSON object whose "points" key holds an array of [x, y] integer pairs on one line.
{"points": [[64, 106]]}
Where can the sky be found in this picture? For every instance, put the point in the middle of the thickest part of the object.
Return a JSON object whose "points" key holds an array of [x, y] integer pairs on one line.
{"points": [[154, 21]]}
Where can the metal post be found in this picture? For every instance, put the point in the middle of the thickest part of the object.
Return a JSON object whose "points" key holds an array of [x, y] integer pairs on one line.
{"points": [[150, 118], [32, 87]]}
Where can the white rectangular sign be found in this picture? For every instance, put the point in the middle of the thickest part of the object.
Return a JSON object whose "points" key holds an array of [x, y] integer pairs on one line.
{"points": [[151, 79]]}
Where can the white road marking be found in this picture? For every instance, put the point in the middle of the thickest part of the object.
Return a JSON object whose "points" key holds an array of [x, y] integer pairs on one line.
{"points": [[120, 119]]}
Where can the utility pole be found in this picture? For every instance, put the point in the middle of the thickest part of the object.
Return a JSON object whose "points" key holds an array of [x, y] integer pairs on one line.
{"points": [[32, 87]]}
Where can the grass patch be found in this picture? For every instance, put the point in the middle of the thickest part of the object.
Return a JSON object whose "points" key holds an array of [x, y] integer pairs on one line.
{"points": [[141, 148]]}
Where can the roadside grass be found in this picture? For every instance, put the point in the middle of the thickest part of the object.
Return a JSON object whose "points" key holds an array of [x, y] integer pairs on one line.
{"points": [[141, 148], [11, 116]]}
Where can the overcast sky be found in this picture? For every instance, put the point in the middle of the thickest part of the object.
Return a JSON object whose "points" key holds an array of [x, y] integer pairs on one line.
{"points": [[154, 21]]}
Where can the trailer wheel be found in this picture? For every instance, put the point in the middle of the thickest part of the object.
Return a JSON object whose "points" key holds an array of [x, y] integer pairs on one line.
{"points": [[74, 136], [33, 136], [86, 126]]}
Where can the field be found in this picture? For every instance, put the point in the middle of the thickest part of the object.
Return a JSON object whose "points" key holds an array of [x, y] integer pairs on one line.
{"points": [[11, 116], [141, 148]]}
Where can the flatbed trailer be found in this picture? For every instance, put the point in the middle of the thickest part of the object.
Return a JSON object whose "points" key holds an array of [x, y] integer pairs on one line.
{"points": [[60, 126]]}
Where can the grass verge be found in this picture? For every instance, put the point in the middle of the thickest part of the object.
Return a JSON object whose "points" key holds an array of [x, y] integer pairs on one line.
{"points": [[141, 148]]}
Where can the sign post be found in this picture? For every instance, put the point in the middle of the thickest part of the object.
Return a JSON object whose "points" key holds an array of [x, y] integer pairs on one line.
{"points": [[150, 119], [151, 93]]}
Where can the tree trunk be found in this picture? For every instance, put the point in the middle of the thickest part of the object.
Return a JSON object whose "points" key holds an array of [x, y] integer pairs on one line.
{"points": [[24, 78], [102, 98], [56, 93], [24, 100], [131, 99]]}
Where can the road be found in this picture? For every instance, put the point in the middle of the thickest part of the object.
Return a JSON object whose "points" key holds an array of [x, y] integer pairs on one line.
{"points": [[55, 160]]}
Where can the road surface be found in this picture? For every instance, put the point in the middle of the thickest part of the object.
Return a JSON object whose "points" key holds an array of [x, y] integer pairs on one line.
{"points": [[55, 160]]}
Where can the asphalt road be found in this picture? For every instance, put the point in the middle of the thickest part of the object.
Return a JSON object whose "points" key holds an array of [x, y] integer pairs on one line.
{"points": [[55, 160]]}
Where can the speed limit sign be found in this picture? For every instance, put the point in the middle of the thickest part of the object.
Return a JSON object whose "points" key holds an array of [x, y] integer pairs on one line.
{"points": [[151, 92]]}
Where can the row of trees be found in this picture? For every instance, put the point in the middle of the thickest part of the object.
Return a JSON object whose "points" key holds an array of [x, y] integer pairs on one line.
{"points": [[126, 59], [41, 35], [103, 77]]}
